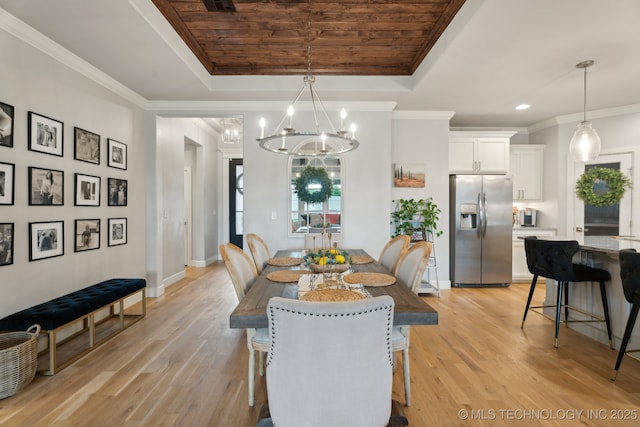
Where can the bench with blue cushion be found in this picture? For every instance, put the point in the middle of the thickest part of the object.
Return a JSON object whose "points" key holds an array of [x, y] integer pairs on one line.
{"points": [[80, 306]]}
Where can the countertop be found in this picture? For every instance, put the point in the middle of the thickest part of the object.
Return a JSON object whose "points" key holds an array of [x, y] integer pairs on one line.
{"points": [[605, 244]]}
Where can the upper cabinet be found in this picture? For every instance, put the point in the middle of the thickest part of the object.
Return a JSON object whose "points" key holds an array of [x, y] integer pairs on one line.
{"points": [[526, 167], [479, 152]]}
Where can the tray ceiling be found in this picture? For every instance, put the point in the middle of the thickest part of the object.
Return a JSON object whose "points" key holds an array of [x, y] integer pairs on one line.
{"points": [[269, 37]]}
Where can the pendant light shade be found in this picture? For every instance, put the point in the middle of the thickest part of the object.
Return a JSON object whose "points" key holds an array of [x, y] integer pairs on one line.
{"points": [[585, 145]]}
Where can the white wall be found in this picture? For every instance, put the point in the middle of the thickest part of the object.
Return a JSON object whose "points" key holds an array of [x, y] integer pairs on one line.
{"points": [[423, 137], [33, 81], [366, 186]]}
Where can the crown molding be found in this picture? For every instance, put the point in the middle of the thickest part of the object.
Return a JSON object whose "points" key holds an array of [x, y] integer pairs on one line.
{"points": [[207, 107], [29, 35], [422, 115]]}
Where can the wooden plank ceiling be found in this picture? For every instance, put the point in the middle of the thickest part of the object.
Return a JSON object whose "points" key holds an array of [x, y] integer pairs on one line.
{"points": [[348, 37]]}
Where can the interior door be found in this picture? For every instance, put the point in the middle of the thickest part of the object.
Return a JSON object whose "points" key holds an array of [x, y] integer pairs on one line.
{"points": [[606, 220], [236, 202]]}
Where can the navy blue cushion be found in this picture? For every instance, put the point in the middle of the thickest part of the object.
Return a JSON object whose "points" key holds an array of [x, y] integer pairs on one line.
{"points": [[62, 310]]}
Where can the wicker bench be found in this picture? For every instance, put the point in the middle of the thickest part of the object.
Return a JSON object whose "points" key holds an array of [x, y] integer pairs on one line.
{"points": [[78, 313]]}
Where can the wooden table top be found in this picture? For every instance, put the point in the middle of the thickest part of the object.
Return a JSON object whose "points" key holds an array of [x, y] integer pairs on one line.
{"points": [[251, 312]]}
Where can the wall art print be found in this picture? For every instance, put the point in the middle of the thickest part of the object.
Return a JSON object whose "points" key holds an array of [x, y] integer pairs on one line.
{"points": [[45, 134]]}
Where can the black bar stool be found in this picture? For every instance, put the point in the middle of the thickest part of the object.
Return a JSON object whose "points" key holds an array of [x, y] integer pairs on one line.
{"points": [[552, 259], [630, 275]]}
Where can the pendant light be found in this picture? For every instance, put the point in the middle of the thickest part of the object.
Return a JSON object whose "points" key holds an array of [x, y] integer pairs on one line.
{"points": [[585, 144], [321, 140]]}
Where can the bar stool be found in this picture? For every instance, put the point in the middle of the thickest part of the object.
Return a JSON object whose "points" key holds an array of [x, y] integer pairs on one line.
{"points": [[630, 275], [552, 259]]}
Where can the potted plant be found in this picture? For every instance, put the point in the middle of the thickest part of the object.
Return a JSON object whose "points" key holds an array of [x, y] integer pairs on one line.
{"points": [[411, 214]]}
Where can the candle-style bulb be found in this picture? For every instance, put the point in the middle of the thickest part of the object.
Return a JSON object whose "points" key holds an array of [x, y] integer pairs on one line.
{"points": [[263, 123], [343, 115], [353, 128], [290, 112]]}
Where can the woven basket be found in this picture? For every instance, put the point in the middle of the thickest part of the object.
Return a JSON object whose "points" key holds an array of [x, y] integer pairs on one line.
{"points": [[18, 360]]}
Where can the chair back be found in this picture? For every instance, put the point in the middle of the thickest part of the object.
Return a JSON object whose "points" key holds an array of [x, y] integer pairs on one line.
{"points": [[240, 267], [330, 363], [259, 251], [412, 263], [630, 274], [391, 252], [314, 240], [552, 259]]}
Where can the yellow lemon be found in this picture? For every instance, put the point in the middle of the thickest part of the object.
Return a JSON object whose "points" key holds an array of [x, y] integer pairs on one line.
{"points": [[322, 261], [340, 259], [316, 259], [333, 251]]}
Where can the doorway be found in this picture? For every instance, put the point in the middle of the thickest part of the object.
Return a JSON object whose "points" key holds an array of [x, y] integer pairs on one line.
{"points": [[187, 216], [614, 220], [236, 202]]}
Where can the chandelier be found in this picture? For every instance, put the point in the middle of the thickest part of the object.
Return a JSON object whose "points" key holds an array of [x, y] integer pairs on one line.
{"points": [[585, 144], [230, 131], [286, 139]]}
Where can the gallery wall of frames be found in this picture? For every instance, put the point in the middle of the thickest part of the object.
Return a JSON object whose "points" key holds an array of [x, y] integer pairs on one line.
{"points": [[46, 187]]}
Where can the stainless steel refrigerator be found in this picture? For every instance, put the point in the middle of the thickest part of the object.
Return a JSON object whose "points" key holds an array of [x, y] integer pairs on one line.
{"points": [[481, 234]]}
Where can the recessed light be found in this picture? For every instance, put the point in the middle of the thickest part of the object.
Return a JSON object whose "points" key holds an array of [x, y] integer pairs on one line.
{"points": [[523, 107]]}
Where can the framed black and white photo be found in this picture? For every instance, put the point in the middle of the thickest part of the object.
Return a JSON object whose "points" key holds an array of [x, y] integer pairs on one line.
{"points": [[117, 153], [86, 146], [45, 134], [7, 183], [87, 234], [46, 186], [6, 125], [117, 192], [117, 231], [46, 240], [6, 243], [87, 190]]}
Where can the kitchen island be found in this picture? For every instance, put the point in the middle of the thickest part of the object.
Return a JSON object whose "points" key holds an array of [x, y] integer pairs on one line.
{"points": [[601, 252]]}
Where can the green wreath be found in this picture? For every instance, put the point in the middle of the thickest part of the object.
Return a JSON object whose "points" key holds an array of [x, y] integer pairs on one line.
{"points": [[310, 175], [615, 181]]}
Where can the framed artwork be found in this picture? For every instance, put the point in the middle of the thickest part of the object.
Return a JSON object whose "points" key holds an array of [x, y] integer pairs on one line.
{"points": [[117, 231], [87, 190], [7, 183], [6, 125], [117, 153], [86, 146], [418, 235], [6, 243], [45, 134], [46, 186], [409, 175], [46, 240], [87, 234], [117, 192]]}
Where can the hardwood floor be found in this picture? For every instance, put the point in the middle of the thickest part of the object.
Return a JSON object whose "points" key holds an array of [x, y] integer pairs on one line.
{"points": [[183, 366]]}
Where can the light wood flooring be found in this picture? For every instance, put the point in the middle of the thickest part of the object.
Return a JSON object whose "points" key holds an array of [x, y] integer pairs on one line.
{"points": [[183, 366]]}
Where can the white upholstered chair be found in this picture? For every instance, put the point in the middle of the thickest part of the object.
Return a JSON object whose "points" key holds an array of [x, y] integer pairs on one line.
{"points": [[409, 270], [243, 274], [259, 251], [339, 375], [390, 254]]}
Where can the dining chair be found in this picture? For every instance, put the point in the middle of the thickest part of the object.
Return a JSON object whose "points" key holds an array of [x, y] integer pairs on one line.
{"points": [[630, 276], [243, 274], [390, 253], [409, 270], [553, 259], [259, 251], [338, 375]]}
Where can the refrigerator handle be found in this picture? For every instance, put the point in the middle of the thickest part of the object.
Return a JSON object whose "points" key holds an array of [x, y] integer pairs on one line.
{"points": [[480, 211], [484, 215]]}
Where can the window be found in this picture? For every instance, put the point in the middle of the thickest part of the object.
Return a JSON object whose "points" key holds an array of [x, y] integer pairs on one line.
{"points": [[311, 217]]}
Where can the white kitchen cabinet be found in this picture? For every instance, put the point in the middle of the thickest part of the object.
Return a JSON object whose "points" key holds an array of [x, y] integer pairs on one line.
{"points": [[526, 166], [519, 270], [479, 152]]}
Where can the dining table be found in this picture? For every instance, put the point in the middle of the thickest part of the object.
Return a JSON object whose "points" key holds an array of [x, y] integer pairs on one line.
{"points": [[251, 312]]}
